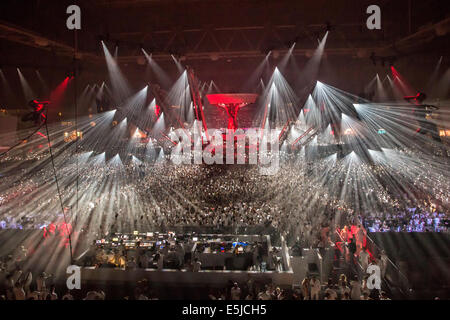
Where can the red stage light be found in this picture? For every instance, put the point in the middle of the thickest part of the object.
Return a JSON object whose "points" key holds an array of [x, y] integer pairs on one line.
{"points": [[157, 110], [41, 134], [401, 83], [231, 102], [58, 93]]}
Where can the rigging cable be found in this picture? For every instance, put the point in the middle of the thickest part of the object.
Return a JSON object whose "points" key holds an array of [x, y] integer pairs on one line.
{"points": [[57, 186]]}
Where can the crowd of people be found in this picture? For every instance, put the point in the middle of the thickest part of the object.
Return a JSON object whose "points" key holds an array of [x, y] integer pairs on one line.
{"points": [[312, 289], [301, 200], [409, 220], [17, 284], [297, 201]]}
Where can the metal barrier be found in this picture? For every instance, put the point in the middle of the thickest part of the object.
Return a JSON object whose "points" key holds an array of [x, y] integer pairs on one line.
{"points": [[393, 275]]}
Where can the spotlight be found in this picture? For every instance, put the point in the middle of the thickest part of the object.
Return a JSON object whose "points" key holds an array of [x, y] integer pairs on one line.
{"points": [[392, 61], [103, 38], [269, 50]]}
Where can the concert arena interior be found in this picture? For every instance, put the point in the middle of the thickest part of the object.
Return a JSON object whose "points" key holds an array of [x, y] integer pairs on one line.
{"points": [[224, 150]]}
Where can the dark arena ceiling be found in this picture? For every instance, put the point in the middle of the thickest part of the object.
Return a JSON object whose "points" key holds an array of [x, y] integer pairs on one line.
{"points": [[223, 41], [215, 29]]}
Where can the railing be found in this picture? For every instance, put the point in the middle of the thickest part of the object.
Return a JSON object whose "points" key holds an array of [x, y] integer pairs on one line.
{"points": [[286, 261], [403, 282]]}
